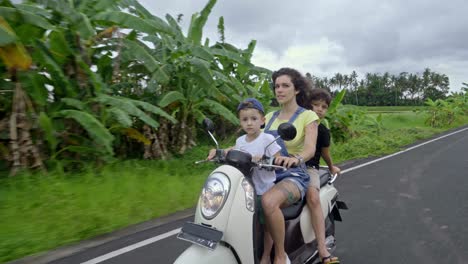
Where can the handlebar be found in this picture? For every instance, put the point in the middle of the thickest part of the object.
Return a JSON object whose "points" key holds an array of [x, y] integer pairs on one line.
{"points": [[218, 158], [264, 163], [333, 178], [268, 166], [267, 163], [203, 161]]}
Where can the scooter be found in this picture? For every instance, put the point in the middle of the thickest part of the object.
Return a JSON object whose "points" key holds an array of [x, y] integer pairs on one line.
{"points": [[226, 228]]}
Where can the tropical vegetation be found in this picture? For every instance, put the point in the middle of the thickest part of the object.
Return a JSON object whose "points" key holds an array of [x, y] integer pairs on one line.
{"points": [[386, 89], [93, 80]]}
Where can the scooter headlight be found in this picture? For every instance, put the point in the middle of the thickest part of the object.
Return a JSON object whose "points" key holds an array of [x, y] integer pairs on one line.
{"points": [[214, 194]]}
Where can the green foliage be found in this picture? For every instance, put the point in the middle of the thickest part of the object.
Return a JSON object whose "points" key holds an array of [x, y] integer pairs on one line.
{"points": [[171, 97], [222, 37], [396, 130], [85, 204], [198, 22], [86, 69], [342, 120], [128, 106], [49, 131], [444, 112], [129, 21], [95, 129], [375, 89], [6, 37], [122, 117]]}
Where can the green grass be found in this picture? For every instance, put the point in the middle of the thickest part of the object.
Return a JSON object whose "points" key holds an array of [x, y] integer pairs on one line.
{"points": [[42, 212], [407, 119], [383, 109], [397, 130]]}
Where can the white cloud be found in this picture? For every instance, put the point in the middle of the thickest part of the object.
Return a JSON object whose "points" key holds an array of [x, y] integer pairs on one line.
{"points": [[324, 37], [316, 58]]}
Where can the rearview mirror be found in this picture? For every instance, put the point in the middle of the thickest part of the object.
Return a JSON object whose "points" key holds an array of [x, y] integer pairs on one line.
{"points": [[208, 124], [287, 131]]}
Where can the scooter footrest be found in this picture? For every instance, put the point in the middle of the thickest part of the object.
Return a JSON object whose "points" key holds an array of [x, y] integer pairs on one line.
{"points": [[342, 205]]}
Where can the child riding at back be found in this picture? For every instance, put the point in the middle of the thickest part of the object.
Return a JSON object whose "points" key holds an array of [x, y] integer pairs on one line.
{"points": [[320, 101]]}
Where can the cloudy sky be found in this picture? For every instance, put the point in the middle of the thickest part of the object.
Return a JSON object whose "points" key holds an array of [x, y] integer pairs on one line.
{"points": [[324, 37]]}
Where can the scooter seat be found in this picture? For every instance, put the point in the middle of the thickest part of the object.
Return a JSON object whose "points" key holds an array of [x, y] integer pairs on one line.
{"points": [[293, 211]]}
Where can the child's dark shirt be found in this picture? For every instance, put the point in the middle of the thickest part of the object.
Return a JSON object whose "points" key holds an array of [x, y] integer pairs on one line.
{"points": [[323, 141]]}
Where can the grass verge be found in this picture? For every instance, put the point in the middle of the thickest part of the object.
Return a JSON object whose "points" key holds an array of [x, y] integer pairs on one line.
{"points": [[397, 130], [41, 212]]}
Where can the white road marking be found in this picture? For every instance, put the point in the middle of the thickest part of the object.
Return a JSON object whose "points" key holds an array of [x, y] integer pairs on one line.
{"points": [[403, 151], [176, 231], [132, 247]]}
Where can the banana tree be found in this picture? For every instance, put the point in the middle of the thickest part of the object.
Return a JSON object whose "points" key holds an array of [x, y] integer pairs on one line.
{"points": [[66, 40], [442, 112], [24, 152], [189, 79]]}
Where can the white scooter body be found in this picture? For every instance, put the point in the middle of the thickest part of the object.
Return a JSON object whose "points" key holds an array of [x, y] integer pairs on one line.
{"points": [[229, 231], [234, 220], [237, 225]]}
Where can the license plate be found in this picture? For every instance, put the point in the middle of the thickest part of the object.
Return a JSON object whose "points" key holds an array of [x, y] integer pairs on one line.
{"points": [[200, 235]]}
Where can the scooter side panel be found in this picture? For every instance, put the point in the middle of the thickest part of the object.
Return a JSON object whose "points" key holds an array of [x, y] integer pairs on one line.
{"points": [[326, 195], [197, 254]]}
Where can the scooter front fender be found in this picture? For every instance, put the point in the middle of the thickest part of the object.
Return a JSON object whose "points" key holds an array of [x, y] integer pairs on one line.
{"points": [[197, 254]]}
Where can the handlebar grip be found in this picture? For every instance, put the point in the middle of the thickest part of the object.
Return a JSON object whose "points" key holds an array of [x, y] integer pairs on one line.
{"points": [[274, 162]]}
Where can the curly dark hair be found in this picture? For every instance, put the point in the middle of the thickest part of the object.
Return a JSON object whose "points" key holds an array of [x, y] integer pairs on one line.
{"points": [[301, 84], [320, 94]]}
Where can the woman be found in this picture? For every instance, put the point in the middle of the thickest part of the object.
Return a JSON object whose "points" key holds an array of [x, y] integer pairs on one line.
{"points": [[291, 91]]}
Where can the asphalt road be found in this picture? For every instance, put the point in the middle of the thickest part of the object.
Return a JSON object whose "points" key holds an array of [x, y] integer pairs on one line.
{"points": [[408, 208]]}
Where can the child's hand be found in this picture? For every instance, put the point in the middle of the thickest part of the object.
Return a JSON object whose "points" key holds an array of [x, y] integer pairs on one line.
{"points": [[256, 158], [335, 170], [211, 154]]}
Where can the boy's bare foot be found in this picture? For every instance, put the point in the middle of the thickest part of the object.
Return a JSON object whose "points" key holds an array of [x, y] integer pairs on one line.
{"points": [[282, 259], [265, 260]]}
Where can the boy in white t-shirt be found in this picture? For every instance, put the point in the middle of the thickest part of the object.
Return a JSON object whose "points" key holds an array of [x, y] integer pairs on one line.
{"points": [[252, 118]]}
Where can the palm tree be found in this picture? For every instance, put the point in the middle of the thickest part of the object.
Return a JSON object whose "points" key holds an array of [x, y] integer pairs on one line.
{"points": [[354, 84]]}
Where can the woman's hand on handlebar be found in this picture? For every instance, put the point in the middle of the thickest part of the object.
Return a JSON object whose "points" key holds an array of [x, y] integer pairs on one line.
{"points": [[287, 162]]}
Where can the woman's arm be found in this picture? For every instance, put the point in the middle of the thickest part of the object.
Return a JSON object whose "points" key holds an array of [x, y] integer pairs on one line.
{"points": [[310, 140]]}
